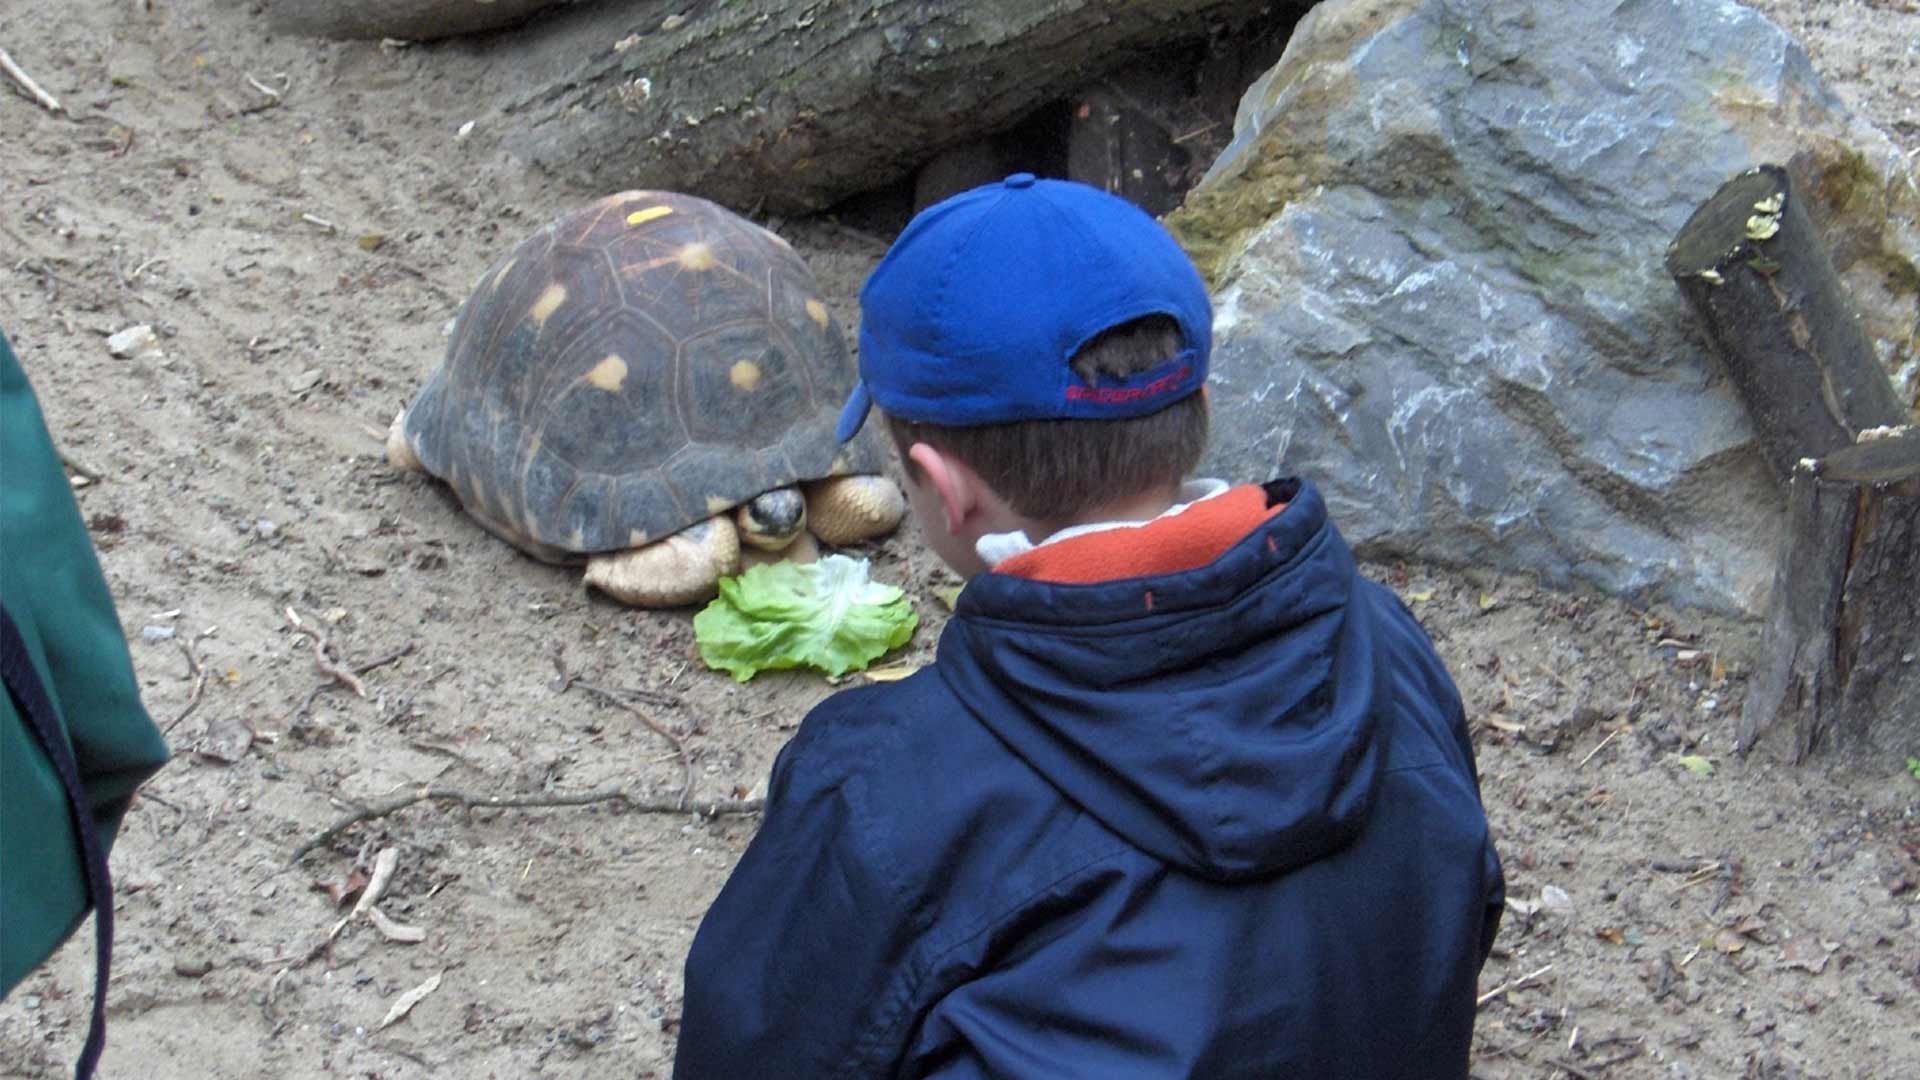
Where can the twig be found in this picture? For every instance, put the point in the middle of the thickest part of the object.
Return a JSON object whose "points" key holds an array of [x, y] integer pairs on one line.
{"points": [[47, 101], [516, 802], [1625, 1055], [1511, 984], [1195, 133], [319, 222], [144, 267], [321, 659], [1597, 749], [568, 680], [1567, 1067], [199, 672], [404, 650], [679, 744], [306, 703], [80, 468], [262, 87]]}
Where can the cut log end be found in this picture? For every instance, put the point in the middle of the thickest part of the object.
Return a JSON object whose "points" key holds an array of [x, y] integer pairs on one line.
{"points": [[1745, 212]]}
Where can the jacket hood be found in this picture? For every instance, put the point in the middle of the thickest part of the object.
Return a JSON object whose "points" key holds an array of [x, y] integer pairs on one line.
{"points": [[1220, 718]]}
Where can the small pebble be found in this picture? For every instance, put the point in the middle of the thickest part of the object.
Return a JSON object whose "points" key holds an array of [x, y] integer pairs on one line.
{"points": [[266, 529], [193, 967], [155, 634], [306, 380], [132, 340]]}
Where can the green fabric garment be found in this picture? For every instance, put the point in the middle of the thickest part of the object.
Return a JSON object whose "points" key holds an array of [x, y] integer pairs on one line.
{"points": [[52, 588]]}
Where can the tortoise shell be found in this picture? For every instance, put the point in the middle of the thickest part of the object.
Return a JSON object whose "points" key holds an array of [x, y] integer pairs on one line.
{"points": [[630, 369]]}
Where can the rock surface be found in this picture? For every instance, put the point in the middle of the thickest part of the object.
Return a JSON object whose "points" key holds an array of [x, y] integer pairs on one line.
{"points": [[1436, 247], [410, 20]]}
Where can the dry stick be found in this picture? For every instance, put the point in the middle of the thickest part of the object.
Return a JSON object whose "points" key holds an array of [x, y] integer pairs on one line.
{"points": [[326, 663], [1569, 1068], [1511, 984], [80, 468], [199, 672], [46, 100], [516, 802], [568, 679], [306, 703], [1597, 749], [679, 744]]}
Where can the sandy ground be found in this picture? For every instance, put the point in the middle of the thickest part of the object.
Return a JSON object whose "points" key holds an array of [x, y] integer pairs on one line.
{"points": [[298, 221]]}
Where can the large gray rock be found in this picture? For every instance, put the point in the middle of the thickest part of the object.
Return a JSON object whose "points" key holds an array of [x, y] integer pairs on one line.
{"points": [[413, 20], [1436, 244]]}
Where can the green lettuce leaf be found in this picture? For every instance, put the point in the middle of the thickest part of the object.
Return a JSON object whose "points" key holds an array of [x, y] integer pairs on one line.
{"points": [[827, 615]]}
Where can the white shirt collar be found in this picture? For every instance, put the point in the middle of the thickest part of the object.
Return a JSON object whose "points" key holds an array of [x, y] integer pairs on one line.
{"points": [[996, 548]]}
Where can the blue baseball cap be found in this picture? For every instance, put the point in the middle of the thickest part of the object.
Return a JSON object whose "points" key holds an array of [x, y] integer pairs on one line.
{"points": [[977, 308]]}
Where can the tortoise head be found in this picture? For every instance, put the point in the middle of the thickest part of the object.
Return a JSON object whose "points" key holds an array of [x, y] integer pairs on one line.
{"points": [[773, 520]]}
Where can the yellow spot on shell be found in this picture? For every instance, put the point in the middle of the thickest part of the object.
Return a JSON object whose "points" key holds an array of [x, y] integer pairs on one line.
{"points": [[548, 303], [579, 539], [817, 311], [718, 505], [651, 213], [745, 375], [609, 374], [500, 275], [636, 537], [696, 257], [839, 467]]}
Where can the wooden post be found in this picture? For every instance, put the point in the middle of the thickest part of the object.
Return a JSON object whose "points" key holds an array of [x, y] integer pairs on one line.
{"points": [[1838, 663], [1752, 266], [1841, 656]]}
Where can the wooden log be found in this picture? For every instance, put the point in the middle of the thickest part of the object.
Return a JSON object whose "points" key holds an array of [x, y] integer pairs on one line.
{"points": [[1840, 660], [791, 105], [1751, 264], [1122, 142]]}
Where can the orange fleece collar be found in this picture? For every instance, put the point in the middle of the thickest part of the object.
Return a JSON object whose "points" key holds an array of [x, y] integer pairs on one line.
{"points": [[1185, 541]]}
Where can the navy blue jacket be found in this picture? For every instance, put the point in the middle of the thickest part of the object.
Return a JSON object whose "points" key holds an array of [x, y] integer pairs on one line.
{"points": [[1235, 832]]}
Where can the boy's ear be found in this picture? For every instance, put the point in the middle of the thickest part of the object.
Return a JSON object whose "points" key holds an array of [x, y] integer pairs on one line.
{"points": [[952, 482]]}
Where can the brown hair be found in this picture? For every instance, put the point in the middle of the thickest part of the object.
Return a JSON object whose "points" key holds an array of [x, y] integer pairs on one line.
{"points": [[1052, 470]]}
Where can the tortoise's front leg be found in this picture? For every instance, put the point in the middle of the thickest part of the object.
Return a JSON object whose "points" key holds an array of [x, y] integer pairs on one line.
{"points": [[682, 569]]}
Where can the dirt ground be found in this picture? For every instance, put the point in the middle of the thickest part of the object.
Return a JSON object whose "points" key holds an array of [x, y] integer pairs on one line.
{"points": [[299, 221]]}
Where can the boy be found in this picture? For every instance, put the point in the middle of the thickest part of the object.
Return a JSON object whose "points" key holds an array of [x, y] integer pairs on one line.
{"points": [[1182, 795]]}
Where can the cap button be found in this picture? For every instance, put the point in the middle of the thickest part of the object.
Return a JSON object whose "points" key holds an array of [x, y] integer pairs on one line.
{"points": [[1020, 180]]}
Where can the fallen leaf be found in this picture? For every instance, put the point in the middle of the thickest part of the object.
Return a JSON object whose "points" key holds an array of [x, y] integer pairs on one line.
{"points": [[1729, 942], [949, 596], [1501, 723], [1421, 596], [342, 891], [1611, 934], [1749, 926], [405, 1002], [1695, 764], [372, 241], [1805, 953], [892, 672], [1488, 601]]}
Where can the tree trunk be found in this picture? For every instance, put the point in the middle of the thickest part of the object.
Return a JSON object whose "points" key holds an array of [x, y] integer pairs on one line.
{"points": [[791, 105], [1841, 656], [1752, 266]]}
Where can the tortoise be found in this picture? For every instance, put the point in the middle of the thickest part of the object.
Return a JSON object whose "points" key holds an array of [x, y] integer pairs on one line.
{"points": [[640, 385]]}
